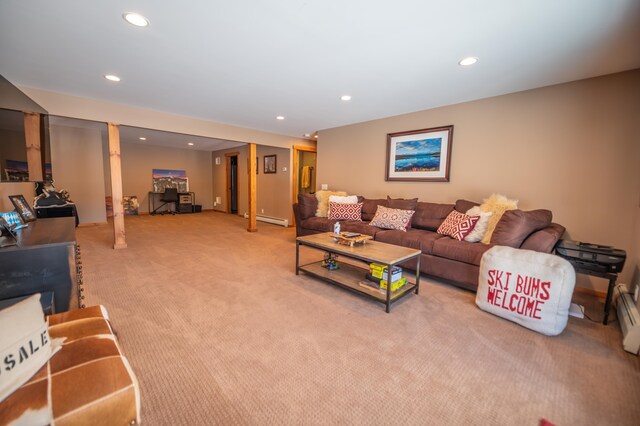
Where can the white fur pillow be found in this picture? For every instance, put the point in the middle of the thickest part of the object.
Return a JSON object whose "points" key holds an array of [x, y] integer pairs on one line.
{"points": [[348, 199], [480, 229], [323, 201]]}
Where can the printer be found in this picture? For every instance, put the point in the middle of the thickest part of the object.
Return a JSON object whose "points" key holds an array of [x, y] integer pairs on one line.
{"points": [[592, 257]]}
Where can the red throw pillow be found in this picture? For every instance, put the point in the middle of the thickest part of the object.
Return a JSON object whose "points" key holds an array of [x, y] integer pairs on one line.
{"points": [[458, 225], [339, 211]]}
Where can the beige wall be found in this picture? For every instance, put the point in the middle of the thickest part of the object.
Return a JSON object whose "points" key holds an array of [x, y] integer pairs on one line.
{"points": [[139, 160], [572, 148], [273, 190], [24, 188], [77, 166]]}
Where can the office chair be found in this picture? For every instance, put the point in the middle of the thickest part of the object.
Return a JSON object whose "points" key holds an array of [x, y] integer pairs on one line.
{"points": [[170, 196]]}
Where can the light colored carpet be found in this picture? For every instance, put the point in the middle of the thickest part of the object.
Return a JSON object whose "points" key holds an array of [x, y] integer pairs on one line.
{"points": [[219, 330]]}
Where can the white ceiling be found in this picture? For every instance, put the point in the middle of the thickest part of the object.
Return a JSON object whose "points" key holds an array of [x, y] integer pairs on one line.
{"points": [[243, 62]]}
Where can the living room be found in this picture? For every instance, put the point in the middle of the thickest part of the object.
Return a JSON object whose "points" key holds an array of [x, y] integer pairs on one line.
{"points": [[216, 325]]}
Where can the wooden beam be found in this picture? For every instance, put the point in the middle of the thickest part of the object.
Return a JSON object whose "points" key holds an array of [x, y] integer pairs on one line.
{"points": [[32, 138], [251, 164], [116, 187]]}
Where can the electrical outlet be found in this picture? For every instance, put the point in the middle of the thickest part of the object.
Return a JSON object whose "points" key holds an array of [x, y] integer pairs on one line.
{"points": [[284, 169], [218, 200], [325, 186], [261, 210]]}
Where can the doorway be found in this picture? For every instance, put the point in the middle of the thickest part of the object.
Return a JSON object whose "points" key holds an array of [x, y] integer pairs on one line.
{"points": [[232, 182], [304, 171]]}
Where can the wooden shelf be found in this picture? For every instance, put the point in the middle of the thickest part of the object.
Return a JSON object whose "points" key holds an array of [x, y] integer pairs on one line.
{"points": [[349, 276]]}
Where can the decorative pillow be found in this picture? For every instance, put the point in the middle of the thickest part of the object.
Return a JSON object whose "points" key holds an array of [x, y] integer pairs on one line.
{"points": [[529, 288], [457, 225], [479, 230], [25, 345], [348, 199], [402, 204], [387, 218], [497, 204], [516, 225], [340, 211], [323, 201]]}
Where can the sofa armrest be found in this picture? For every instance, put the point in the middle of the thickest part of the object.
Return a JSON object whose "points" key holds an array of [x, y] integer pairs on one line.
{"points": [[545, 239], [298, 218]]}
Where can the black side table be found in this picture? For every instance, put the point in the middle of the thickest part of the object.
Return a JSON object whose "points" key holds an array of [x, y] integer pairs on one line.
{"points": [[612, 277]]}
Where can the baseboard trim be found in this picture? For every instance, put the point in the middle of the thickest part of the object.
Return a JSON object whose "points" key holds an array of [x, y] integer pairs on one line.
{"points": [[88, 224], [591, 292]]}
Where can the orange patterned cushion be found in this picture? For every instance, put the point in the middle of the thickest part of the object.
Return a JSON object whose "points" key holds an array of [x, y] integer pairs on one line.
{"points": [[458, 225]]}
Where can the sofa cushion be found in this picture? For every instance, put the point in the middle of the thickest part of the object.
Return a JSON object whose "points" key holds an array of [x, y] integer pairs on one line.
{"points": [[308, 204], [412, 238], [401, 203], [461, 251], [430, 215], [323, 201], [370, 206], [464, 205], [342, 211], [457, 225], [516, 225], [545, 239], [321, 224], [359, 227], [387, 218], [480, 229]]}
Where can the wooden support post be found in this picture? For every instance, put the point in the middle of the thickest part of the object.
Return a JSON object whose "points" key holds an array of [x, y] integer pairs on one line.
{"points": [[116, 187], [251, 164], [32, 138]]}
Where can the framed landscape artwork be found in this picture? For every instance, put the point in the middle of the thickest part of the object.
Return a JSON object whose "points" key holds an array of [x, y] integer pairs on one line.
{"points": [[419, 155], [270, 164]]}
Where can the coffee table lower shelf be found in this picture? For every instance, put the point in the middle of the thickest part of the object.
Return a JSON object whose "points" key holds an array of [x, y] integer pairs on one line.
{"points": [[349, 277]]}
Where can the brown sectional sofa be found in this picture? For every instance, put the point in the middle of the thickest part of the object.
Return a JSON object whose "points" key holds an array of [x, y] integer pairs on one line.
{"points": [[444, 257]]}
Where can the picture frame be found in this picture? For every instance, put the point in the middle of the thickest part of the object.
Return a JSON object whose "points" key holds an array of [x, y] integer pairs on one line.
{"points": [[23, 208], [270, 164], [419, 155]]}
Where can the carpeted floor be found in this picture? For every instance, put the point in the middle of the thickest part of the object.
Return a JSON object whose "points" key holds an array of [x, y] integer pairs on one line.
{"points": [[219, 330]]}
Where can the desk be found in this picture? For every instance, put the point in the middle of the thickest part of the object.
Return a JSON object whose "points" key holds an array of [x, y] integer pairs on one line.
{"points": [[43, 261], [153, 195]]}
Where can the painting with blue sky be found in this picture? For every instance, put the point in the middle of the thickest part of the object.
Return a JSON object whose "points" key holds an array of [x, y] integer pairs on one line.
{"points": [[418, 156]]}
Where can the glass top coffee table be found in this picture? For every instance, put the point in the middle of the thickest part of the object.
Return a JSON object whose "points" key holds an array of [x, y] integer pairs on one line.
{"points": [[350, 276]]}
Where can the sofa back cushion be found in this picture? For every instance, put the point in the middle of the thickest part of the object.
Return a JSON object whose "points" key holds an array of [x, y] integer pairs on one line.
{"points": [[430, 215], [516, 225], [369, 207], [402, 203], [308, 204], [463, 206]]}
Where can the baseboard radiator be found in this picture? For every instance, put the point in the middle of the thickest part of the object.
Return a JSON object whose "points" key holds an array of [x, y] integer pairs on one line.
{"points": [[270, 219], [629, 319]]}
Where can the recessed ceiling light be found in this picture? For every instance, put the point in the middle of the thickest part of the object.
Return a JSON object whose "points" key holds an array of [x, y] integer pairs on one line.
{"points": [[306, 135], [112, 77], [190, 144], [315, 136], [136, 19], [142, 138], [280, 117], [468, 61], [345, 97]]}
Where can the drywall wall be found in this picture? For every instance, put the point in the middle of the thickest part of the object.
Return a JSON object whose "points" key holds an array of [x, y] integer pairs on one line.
{"points": [[92, 109], [572, 148], [273, 190], [77, 166], [138, 161], [23, 188]]}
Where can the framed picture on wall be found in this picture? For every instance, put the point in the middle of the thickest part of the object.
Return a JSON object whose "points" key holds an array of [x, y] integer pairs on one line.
{"points": [[270, 164], [22, 207], [419, 155]]}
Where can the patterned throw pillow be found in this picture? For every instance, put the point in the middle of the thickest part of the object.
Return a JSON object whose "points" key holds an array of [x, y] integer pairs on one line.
{"points": [[457, 225], [341, 211], [387, 218]]}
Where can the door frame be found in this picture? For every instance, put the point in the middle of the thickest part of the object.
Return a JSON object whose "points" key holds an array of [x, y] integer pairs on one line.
{"points": [[227, 189], [296, 166]]}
